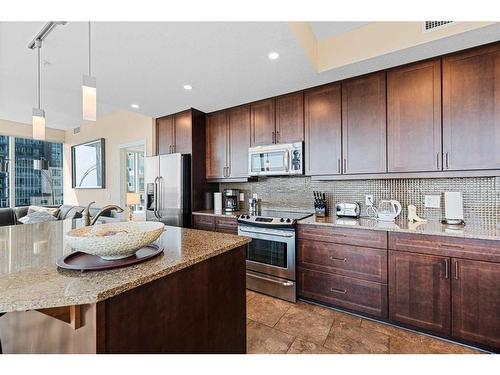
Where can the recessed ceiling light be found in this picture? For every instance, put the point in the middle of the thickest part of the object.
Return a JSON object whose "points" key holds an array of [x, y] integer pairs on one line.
{"points": [[135, 106], [273, 55], [188, 87]]}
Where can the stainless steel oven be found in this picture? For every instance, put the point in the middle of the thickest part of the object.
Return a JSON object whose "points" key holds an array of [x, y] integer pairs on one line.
{"points": [[271, 261]]}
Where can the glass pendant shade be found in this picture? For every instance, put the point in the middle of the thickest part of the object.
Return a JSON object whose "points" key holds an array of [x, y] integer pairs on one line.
{"points": [[38, 124], [89, 98]]}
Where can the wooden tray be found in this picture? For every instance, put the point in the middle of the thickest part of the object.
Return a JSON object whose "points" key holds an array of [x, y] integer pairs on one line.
{"points": [[80, 261]]}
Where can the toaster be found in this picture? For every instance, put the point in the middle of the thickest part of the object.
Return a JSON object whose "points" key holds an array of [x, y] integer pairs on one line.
{"points": [[347, 209]]}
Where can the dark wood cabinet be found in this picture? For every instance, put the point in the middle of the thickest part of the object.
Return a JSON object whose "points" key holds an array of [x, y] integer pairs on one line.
{"points": [[419, 291], [216, 145], [290, 118], [476, 301], [204, 222], [471, 115], [215, 223], [323, 124], [414, 118], [239, 140], [262, 122], [165, 135], [364, 125], [182, 133]]}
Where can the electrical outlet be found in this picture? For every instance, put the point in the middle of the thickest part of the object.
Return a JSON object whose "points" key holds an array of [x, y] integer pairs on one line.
{"points": [[432, 201], [369, 200]]}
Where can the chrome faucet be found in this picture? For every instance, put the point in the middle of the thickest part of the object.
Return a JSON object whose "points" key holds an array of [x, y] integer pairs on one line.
{"points": [[89, 220]]}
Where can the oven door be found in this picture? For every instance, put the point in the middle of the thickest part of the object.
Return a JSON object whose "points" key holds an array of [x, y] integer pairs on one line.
{"points": [[272, 251], [269, 162]]}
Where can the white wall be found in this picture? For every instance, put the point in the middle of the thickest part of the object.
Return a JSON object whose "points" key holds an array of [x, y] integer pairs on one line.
{"points": [[118, 129], [18, 129]]}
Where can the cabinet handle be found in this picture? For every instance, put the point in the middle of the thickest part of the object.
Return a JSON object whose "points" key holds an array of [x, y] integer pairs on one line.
{"points": [[338, 166], [278, 137], [447, 269], [341, 259], [345, 166], [273, 137], [450, 246], [437, 160], [447, 165], [341, 291], [173, 149], [456, 270], [229, 172]]}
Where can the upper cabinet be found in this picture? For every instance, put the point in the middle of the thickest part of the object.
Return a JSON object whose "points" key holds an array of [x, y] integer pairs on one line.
{"points": [[323, 124], [471, 109], [290, 118], [364, 125], [414, 118], [216, 134], [174, 133], [165, 135], [263, 122], [239, 140]]}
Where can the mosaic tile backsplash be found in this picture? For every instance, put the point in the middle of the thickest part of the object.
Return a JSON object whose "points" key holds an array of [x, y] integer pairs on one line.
{"points": [[481, 195]]}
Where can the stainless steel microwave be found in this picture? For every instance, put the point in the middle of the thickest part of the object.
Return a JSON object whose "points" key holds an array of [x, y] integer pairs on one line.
{"points": [[276, 160]]}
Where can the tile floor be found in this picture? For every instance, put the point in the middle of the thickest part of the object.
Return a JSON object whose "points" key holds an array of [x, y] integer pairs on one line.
{"points": [[276, 326]]}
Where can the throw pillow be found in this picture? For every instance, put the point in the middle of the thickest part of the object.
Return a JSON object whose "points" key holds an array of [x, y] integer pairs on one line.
{"points": [[54, 211], [37, 217]]}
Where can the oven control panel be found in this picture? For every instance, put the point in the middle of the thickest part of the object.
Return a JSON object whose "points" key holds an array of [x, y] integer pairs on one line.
{"points": [[266, 221]]}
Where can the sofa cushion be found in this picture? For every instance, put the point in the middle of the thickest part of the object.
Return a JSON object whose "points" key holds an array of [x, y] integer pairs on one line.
{"points": [[7, 217], [34, 217]]}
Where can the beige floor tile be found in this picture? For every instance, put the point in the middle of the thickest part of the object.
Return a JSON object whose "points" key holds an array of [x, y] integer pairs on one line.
{"points": [[390, 330], [351, 339], [426, 345], [262, 339], [306, 347], [250, 294], [266, 310], [305, 324]]}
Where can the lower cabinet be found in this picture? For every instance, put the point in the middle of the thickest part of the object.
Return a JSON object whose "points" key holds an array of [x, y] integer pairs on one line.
{"points": [[419, 291], [213, 223], [475, 310]]}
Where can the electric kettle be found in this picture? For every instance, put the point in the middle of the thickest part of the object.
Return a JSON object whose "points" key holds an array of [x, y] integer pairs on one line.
{"points": [[387, 210]]}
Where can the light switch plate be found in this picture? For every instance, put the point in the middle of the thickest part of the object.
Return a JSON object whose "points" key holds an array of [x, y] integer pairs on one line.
{"points": [[432, 201]]}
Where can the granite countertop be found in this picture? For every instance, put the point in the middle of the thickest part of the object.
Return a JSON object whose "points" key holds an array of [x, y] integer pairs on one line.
{"points": [[484, 231], [30, 279], [220, 213]]}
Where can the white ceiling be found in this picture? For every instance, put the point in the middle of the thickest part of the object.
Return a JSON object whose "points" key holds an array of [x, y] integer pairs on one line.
{"points": [[148, 63], [323, 30]]}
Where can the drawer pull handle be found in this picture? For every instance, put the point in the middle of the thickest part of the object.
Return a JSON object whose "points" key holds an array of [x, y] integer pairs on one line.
{"points": [[341, 291], [450, 246], [341, 259]]}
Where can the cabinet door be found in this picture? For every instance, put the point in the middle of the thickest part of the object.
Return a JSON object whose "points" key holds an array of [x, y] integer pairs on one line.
{"points": [[476, 301], [216, 145], [290, 118], [239, 140], [414, 118], [471, 109], [165, 134], [419, 291], [183, 133], [263, 122], [364, 124], [323, 125]]}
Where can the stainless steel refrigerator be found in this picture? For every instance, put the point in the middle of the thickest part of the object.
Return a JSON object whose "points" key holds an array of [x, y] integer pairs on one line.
{"points": [[168, 189]]}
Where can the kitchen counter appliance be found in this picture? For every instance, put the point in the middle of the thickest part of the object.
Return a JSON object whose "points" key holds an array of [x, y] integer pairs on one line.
{"points": [[276, 160], [231, 200], [347, 209], [270, 259]]}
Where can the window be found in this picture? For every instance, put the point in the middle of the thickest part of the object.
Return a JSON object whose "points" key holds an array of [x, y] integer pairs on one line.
{"points": [[135, 173], [30, 186]]}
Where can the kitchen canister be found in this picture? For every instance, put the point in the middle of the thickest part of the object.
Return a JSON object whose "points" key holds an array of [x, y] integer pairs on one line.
{"points": [[208, 200], [218, 202]]}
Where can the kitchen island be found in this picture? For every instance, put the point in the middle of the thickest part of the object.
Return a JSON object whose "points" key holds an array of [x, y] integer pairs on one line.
{"points": [[189, 299]]}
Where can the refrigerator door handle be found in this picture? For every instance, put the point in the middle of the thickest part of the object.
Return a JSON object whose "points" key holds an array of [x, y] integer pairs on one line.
{"points": [[155, 197], [160, 197]]}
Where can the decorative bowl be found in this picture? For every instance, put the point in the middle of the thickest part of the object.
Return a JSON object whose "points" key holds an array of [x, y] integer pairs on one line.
{"points": [[114, 240]]}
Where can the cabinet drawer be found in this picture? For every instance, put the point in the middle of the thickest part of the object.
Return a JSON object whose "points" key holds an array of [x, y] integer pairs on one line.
{"points": [[204, 222], [226, 225], [356, 237], [486, 250], [360, 262], [354, 294]]}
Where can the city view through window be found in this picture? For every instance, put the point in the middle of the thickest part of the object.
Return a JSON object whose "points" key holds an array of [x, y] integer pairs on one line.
{"points": [[30, 186]]}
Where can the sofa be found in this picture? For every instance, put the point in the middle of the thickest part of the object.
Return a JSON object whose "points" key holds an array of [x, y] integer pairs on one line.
{"points": [[11, 216]]}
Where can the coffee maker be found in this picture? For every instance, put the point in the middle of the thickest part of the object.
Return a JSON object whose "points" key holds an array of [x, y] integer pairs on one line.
{"points": [[231, 200]]}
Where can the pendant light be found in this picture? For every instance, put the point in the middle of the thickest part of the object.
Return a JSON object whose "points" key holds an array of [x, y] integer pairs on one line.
{"points": [[38, 115], [89, 99]]}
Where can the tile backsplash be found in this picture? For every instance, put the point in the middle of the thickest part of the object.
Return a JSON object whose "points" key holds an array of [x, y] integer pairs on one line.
{"points": [[481, 195]]}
